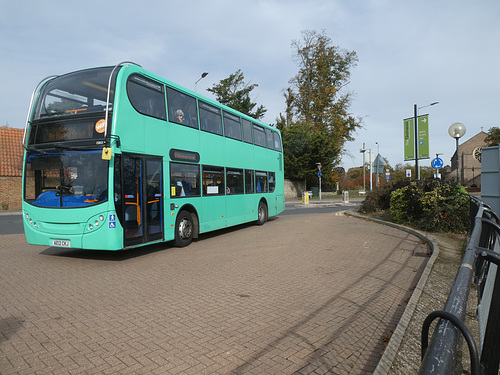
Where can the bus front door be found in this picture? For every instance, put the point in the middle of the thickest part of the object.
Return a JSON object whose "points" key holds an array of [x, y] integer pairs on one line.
{"points": [[142, 195]]}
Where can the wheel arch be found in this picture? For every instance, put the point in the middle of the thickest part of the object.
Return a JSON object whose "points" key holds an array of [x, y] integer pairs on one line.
{"points": [[194, 214], [264, 200]]}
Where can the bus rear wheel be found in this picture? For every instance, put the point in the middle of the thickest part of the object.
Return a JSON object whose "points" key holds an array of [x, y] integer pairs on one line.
{"points": [[262, 213], [184, 229]]}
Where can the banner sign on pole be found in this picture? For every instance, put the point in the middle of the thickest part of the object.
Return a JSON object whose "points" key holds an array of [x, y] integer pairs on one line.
{"points": [[409, 140], [423, 137]]}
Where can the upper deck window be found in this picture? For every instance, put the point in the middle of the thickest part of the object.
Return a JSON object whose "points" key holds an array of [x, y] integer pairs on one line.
{"points": [[182, 108], [210, 118], [232, 126], [247, 131], [277, 141], [259, 135], [146, 96], [75, 93], [269, 139]]}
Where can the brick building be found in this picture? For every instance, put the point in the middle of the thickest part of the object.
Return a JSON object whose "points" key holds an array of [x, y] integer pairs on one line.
{"points": [[11, 168], [469, 161]]}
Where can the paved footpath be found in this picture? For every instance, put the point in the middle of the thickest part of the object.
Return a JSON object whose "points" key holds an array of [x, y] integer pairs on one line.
{"points": [[303, 294]]}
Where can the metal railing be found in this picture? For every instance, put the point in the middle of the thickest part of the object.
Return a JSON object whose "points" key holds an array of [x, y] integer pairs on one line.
{"points": [[479, 265]]}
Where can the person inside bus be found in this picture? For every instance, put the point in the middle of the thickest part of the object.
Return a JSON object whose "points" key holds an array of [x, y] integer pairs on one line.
{"points": [[179, 116], [186, 185]]}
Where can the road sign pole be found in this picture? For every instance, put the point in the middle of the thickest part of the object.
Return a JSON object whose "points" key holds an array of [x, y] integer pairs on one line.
{"points": [[320, 187], [415, 124], [319, 178]]}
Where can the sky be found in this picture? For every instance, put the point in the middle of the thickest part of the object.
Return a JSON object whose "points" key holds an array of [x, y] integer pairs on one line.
{"points": [[410, 52]]}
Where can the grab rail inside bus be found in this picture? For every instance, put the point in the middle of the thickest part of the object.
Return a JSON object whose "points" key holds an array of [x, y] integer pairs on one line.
{"points": [[31, 106], [109, 89]]}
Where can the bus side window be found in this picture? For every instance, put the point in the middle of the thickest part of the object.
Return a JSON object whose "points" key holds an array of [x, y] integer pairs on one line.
{"points": [[232, 126], [269, 139], [259, 135], [210, 118], [277, 141], [184, 180], [272, 182], [247, 131], [234, 181], [213, 180], [182, 108], [146, 96], [261, 181], [249, 181]]}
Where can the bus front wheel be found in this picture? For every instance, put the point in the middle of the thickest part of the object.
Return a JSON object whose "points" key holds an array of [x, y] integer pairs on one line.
{"points": [[262, 213], [184, 229]]}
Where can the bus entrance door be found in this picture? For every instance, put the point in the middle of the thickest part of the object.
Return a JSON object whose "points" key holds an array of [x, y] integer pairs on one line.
{"points": [[142, 194]]}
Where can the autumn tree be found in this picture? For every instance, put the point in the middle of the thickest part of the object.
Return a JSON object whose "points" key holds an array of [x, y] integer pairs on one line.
{"points": [[234, 92], [318, 101], [493, 137]]}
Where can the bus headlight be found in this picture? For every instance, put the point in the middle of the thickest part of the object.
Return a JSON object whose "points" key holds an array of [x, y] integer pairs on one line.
{"points": [[95, 222]]}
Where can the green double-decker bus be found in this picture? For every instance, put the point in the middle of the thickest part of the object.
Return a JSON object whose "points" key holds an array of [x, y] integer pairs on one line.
{"points": [[117, 157]]}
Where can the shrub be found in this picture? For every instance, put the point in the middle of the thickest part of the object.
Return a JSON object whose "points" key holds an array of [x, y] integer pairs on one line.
{"points": [[430, 205], [379, 198]]}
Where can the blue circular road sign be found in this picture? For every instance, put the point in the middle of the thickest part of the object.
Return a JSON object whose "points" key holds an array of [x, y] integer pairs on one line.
{"points": [[437, 163]]}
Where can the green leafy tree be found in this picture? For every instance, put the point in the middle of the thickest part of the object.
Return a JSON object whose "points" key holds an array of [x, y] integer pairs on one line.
{"points": [[317, 99], [234, 92], [493, 137], [304, 149]]}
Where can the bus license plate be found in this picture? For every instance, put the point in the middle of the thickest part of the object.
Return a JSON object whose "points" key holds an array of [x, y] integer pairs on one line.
{"points": [[61, 243]]}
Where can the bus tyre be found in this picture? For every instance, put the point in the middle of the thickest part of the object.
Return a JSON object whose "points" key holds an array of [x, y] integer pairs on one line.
{"points": [[183, 229], [262, 213]]}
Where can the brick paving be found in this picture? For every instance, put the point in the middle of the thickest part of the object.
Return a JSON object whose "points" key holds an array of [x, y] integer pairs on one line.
{"points": [[303, 294]]}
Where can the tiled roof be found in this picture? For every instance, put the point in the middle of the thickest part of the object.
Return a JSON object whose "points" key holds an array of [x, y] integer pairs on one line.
{"points": [[11, 152]]}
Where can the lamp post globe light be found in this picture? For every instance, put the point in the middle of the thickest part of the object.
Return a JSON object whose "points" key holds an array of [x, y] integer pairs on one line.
{"points": [[457, 131]]}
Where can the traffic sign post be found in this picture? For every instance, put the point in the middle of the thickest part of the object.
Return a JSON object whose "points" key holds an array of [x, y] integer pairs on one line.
{"points": [[319, 178], [437, 163]]}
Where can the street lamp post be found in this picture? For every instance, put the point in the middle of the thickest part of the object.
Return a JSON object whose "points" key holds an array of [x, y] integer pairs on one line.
{"points": [[363, 150], [371, 169], [415, 121], [378, 161], [457, 131], [199, 79]]}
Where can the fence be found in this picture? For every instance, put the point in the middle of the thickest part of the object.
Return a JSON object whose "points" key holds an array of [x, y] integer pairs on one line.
{"points": [[479, 264]]}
